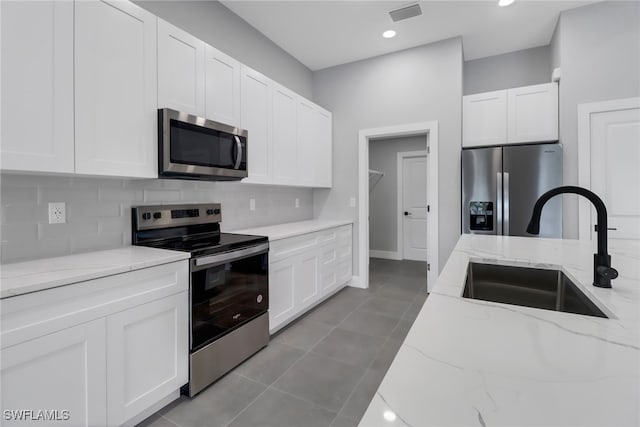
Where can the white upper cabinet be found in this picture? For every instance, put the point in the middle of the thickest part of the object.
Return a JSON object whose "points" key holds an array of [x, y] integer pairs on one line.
{"points": [[222, 86], [115, 89], [306, 143], [513, 116], [181, 70], [256, 119], [314, 145], [285, 144], [37, 86], [484, 119], [533, 113], [324, 148]]}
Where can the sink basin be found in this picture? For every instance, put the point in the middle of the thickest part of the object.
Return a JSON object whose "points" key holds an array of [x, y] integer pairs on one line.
{"points": [[529, 287]]}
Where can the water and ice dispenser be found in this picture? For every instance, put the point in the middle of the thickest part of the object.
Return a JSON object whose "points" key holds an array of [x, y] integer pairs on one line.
{"points": [[481, 216]]}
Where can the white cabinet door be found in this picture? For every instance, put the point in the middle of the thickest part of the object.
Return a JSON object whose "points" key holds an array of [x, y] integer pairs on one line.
{"points": [[37, 86], [60, 371], [281, 292], [181, 70], [256, 119], [484, 119], [222, 85], [306, 273], [115, 89], [307, 139], [147, 355], [533, 113], [324, 148], [285, 145]]}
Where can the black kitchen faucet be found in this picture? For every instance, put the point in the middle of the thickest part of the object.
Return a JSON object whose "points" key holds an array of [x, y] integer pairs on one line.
{"points": [[603, 273]]}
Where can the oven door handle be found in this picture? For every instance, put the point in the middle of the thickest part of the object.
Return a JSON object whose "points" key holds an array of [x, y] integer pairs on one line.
{"points": [[213, 260]]}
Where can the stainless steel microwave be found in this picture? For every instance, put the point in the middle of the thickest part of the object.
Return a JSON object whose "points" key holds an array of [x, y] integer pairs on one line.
{"points": [[192, 147]]}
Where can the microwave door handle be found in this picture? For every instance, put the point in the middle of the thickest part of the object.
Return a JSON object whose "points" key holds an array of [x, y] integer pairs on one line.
{"points": [[239, 151]]}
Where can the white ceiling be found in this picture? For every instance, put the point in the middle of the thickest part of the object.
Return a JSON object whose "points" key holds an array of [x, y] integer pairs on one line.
{"points": [[325, 33]]}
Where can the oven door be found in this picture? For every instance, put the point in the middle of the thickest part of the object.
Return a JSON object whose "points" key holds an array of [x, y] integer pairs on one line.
{"points": [[191, 146], [227, 291]]}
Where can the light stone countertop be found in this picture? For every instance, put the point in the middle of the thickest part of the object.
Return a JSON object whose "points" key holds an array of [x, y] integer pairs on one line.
{"points": [[290, 229], [477, 363], [37, 275]]}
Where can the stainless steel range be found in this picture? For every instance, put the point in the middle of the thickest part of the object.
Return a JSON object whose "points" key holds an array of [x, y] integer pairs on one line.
{"points": [[229, 285]]}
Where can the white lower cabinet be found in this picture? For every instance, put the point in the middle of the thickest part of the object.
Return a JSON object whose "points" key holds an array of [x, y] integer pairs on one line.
{"points": [[146, 360], [304, 270], [99, 352], [62, 373]]}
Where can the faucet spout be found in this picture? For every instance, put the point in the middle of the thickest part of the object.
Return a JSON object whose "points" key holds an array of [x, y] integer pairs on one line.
{"points": [[602, 270]]}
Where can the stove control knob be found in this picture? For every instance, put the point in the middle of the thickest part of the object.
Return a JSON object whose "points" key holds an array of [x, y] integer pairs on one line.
{"points": [[216, 211], [157, 215], [146, 216], [209, 211]]}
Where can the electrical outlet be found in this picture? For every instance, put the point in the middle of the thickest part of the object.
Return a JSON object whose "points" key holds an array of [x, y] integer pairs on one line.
{"points": [[252, 204], [57, 213], [352, 202], [297, 202]]}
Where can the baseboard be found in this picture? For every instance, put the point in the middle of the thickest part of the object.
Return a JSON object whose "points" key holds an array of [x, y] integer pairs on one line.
{"points": [[356, 282], [385, 254]]}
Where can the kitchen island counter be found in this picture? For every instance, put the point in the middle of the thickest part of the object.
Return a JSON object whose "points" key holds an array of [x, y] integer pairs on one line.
{"points": [[473, 362]]}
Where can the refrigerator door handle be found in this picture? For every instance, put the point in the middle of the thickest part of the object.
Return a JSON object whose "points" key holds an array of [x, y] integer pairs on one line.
{"points": [[505, 203], [498, 207]]}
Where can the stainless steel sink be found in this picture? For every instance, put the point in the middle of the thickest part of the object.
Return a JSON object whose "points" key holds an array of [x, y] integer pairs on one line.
{"points": [[529, 287]]}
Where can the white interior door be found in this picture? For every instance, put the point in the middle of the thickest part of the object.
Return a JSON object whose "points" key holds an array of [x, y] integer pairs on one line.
{"points": [[414, 207], [615, 172]]}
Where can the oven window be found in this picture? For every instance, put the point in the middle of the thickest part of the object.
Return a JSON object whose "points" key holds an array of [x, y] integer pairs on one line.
{"points": [[226, 296], [196, 145]]}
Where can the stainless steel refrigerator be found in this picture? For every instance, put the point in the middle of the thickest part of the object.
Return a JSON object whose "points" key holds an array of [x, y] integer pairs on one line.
{"points": [[500, 185]]}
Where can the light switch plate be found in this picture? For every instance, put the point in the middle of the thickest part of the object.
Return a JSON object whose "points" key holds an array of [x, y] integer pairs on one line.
{"points": [[252, 204], [57, 213], [297, 202], [352, 202]]}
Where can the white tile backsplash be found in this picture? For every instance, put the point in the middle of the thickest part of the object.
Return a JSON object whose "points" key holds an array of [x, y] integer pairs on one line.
{"points": [[99, 210]]}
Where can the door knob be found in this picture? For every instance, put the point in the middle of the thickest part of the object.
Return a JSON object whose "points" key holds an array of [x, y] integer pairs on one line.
{"points": [[406, 213]]}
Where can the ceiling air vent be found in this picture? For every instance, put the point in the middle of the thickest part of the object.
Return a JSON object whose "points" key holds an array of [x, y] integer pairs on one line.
{"points": [[405, 12]]}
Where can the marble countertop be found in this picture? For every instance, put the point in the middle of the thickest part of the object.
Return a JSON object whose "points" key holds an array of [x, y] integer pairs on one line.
{"points": [[468, 362], [290, 229], [31, 276]]}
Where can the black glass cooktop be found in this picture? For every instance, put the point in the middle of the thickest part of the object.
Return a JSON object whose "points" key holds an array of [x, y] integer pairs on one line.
{"points": [[205, 245]]}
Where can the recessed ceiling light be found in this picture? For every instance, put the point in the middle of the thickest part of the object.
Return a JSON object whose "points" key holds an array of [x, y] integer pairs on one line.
{"points": [[390, 33], [504, 3]]}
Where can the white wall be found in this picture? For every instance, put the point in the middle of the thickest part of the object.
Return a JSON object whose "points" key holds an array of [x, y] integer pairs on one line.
{"points": [[521, 68], [215, 24], [414, 85], [598, 48], [99, 210], [383, 208]]}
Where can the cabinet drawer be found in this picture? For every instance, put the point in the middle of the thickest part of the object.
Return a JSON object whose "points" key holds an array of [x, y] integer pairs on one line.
{"points": [[32, 315], [329, 255], [344, 252], [344, 233], [328, 236], [292, 246]]}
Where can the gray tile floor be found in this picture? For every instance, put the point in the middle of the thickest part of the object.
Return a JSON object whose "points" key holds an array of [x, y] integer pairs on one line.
{"points": [[323, 369]]}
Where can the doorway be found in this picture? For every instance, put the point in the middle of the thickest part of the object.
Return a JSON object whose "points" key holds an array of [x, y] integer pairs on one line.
{"points": [[412, 205], [609, 153], [424, 129]]}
